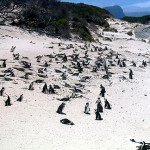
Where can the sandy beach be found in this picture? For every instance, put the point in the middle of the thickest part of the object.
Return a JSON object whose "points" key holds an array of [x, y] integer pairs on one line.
{"points": [[33, 124]]}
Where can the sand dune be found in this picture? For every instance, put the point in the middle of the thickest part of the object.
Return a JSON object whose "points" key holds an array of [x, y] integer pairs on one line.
{"points": [[33, 124]]}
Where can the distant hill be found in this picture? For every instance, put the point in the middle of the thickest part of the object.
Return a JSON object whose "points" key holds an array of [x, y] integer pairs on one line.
{"points": [[143, 19], [116, 11], [55, 18]]}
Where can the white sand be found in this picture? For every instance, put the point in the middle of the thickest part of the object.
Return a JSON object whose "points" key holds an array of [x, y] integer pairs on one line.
{"points": [[34, 124]]}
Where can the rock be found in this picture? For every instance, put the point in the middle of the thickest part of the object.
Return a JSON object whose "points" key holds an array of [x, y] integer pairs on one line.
{"points": [[66, 121]]}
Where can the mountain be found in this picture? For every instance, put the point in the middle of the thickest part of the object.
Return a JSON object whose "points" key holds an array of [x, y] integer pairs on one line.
{"points": [[116, 11], [58, 19]]}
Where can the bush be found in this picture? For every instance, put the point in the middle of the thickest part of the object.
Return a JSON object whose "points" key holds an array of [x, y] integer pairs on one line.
{"points": [[60, 22], [110, 30], [59, 18], [62, 27], [107, 39], [143, 19], [81, 29], [130, 33]]}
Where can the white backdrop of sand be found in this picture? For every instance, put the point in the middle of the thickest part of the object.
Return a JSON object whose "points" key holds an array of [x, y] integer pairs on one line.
{"points": [[34, 124]]}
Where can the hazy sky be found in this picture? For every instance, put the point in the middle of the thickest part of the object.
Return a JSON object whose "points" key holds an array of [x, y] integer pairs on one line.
{"points": [[123, 3]]}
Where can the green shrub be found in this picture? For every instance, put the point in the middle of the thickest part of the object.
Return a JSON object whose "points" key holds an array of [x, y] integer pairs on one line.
{"points": [[130, 33], [59, 18], [143, 19], [82, 30], [110, 30], [60, 22]]}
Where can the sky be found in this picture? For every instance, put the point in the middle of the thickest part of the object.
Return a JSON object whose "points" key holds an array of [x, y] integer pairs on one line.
{"points": [[126, 4]]}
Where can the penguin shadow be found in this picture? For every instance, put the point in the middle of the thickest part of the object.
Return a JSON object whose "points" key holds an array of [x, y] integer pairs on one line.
{"points": [[87, 113], [99, 119], [61, 113]]}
